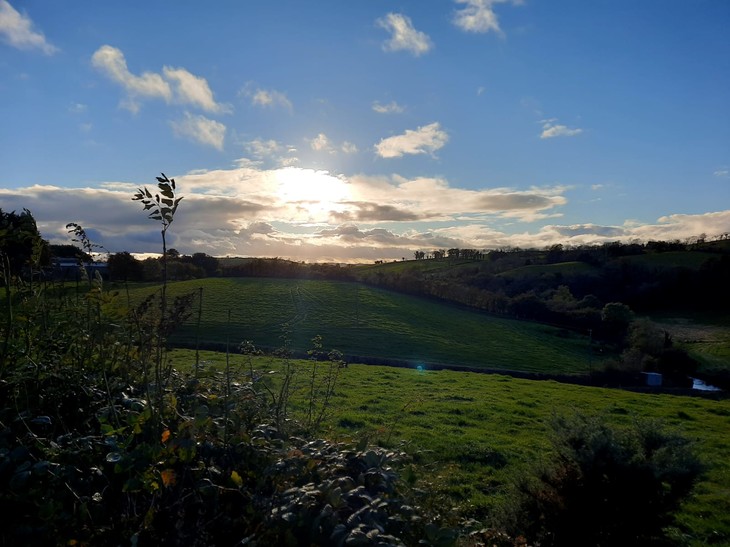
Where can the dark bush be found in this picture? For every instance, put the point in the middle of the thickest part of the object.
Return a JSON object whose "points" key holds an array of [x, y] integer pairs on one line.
{"points": [[605, 486]]}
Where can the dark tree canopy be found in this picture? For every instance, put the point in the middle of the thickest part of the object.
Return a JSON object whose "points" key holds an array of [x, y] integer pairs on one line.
{"points": [[20, 242]]}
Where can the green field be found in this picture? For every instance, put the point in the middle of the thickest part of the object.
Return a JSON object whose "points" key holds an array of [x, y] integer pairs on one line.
{"points": [[365, 321], [471, 433]]}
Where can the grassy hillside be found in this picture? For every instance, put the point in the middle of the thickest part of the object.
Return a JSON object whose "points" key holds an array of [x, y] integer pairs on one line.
{"points": [[471, 433], [366, 321]]}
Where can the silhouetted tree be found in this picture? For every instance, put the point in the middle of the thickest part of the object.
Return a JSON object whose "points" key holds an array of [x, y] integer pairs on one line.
{"points": [[20, 243], [124, 267]]}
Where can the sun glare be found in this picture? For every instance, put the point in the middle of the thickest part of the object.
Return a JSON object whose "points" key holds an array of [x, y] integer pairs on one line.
{"points": [[313, 192]]}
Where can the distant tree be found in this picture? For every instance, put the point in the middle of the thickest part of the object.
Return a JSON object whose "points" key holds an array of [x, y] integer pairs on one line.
{"points": [[173, 253], [69, 251], [152, 269], [207, 263], [124, 267], [439, 253], [616, 318], [453, 253], [555, 253], [181, 271]]}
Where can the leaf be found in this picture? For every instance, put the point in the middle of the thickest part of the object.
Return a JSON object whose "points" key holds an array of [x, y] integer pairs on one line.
{"points": [[236, 478], [165, 435], [168, 477]]}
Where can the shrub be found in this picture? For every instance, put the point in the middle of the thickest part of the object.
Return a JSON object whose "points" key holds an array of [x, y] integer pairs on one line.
{"points": [[605, 486]]}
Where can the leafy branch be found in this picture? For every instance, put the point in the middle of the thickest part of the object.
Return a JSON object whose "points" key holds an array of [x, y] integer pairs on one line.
{"points": [[163, 204]]}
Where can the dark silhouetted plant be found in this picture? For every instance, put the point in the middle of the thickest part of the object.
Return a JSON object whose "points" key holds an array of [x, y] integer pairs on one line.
{"points": [[605, 486]]}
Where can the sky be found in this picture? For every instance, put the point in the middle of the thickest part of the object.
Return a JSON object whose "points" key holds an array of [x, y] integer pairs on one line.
{"points": [[367, 129]]}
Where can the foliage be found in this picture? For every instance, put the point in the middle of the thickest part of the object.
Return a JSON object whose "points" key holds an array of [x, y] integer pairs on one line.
{"points": [[124, 267], [605, 486], [21, 245]]}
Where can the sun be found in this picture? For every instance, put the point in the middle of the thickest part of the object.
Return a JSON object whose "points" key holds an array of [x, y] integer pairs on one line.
{"points": [[314, 194]]}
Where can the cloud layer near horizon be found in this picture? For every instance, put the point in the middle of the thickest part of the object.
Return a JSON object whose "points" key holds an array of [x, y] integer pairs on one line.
{"points": [[303, 214]]}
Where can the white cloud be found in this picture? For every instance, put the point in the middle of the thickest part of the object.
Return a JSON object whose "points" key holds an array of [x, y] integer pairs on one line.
{"points": [[271, 150], [390, 108], [200, 129], [403, 35], [478, 15], [321, 143], [249, 211], [77, 108], [722, 173], [348, 147], [110, 61], [261, 148], [17, 30], [424, 140], [551, 129], [175, 85], [191, 89], [266, 98]]}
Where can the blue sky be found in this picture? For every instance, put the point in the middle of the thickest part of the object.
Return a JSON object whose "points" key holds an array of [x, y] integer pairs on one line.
{"points": [[368, 129]]}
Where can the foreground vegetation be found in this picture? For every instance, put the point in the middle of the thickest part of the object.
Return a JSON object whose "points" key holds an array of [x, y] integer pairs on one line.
{"points": [[471, 435]]}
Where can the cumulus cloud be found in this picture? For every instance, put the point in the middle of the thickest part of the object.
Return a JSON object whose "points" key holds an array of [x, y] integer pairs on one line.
{"points": [[200, 129], [174, 84], [348, 147], [390, 108], [424, 140], [266, 98], [551, 129], [271, 150], [111, 62], [320, 143], [191, 89], [478, 15], [264, 148], [403, 35], [16, 29]]}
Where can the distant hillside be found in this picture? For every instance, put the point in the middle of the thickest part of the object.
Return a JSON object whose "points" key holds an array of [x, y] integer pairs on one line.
{"points": [[374, 325]]}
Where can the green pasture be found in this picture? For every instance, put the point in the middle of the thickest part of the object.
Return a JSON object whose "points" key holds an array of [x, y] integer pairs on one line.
{"points": [[706, 335], [471, 433], [672, 259], [563, 268], [369, 322]]}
